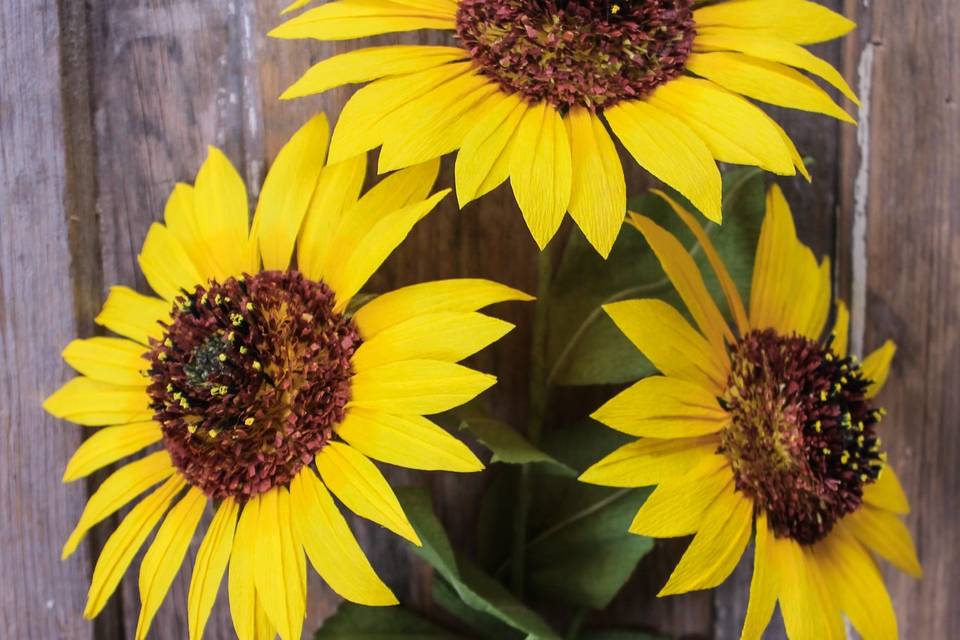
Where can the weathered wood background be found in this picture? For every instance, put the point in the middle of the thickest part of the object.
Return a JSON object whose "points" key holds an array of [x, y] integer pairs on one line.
{"points": [[104, 104]]}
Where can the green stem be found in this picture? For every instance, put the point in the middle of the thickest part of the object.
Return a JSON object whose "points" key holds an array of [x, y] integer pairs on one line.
{"points": [[537, 414], [576, 624]]}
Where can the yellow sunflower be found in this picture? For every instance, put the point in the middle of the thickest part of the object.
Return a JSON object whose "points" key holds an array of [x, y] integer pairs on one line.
{"points": [[767, 425], [253, 378], [527, 87]]}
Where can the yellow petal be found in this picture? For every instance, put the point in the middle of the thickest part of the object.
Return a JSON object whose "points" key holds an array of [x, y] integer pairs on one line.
{"points": [[331, 547], [124, 543], [211, 562], [108, 445], [385, 236], [766, 81], [686, 279], [887, 536], [801, 22], [734, 302], [670, 343], [676, 507], [803, 607], [364, 121], [857, 585], [666, 147], [241, 585], [598, 199], [774, 49], [798, 161], [770, 293], [359, 484], [717, 547], [459, 295], [541, 171], [166, 265], [134, 315], [649, 461], [281, 585], [436, 123], [886, 492], [111, 360], [181, 217], [661, 407], [483, 162], [763, 584], [223, 217], [337, 191], [94, 403], [162, 561], [123, 485], [364, 65], [876, 367], [346, 20], [287, 191], [841, 329], [448, 335], [422, 387], [406, 441], [734, 130]]}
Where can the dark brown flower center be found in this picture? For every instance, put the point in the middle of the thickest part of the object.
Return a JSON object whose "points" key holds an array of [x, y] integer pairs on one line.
{"points": [[249, 380], [590, 53], [802, 440]]}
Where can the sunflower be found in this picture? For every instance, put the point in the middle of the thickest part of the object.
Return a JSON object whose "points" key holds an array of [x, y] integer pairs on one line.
{"points": [[254, 377], [768, 425], [528, 86]]}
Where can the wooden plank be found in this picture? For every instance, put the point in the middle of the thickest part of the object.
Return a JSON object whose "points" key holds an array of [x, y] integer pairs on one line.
{"points": [[905, 259], [42, 596]]}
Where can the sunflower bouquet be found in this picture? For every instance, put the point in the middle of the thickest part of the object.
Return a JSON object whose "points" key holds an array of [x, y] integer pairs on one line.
{"points": [[251, 399]]}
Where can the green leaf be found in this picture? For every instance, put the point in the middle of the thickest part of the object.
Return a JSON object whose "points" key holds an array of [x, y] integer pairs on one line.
{"points": [[479, 623], [356, 622], [506, 443], [584, 346], [475, 588]]}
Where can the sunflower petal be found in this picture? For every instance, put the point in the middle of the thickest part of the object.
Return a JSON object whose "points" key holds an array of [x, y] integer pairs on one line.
{"points": [[887, 536], [841, 329], [330, 545], [346, 20], [483, 162], [876, 367], [111, 360], [166, 265], [241, 583], [797, 21], [763, 584], [422, 387], [887, 493], [649, 461], [223, 217], [134, 315], [209, 566], [108, 445], [93, 403], [802, 606], [281, 586], [770, 293]]}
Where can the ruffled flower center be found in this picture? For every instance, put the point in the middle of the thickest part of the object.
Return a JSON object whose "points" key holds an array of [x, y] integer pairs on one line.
{"points": [[249, 380], [589, 53], [802, 439]]}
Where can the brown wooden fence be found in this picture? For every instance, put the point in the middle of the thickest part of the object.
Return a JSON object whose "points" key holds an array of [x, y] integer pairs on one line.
{"points": [[105, 104]]}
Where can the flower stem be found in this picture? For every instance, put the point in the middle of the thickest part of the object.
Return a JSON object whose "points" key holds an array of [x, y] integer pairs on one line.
{"points": [[539, 393]]}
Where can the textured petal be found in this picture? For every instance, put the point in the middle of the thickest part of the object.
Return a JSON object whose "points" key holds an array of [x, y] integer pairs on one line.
{"points": [[666, 147], [876, 367], [661, 407], [670, 343], [483, 162], [406, 441], [766, 81], [734, 130], [241, 584], [685, 276], [460, 295], [887, 493], [796, 21], [770, 292], [541, 171], [280, 581], [111, 360], [887, 536], [123, 485], [649, 461], [841, 329], [223, 217], [180, 218], [598, 200], [676, 507], [210, 564], [134, 315], [287, 192], [734, 302], [162, 561], [330, 545], [94, 403], [359, 484], [802, 606], [717, 547], [450, 336], [346, 20], [423, 387], [166, 265], [124, 543], [763, 584], [364, 65], [108, 445]]}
